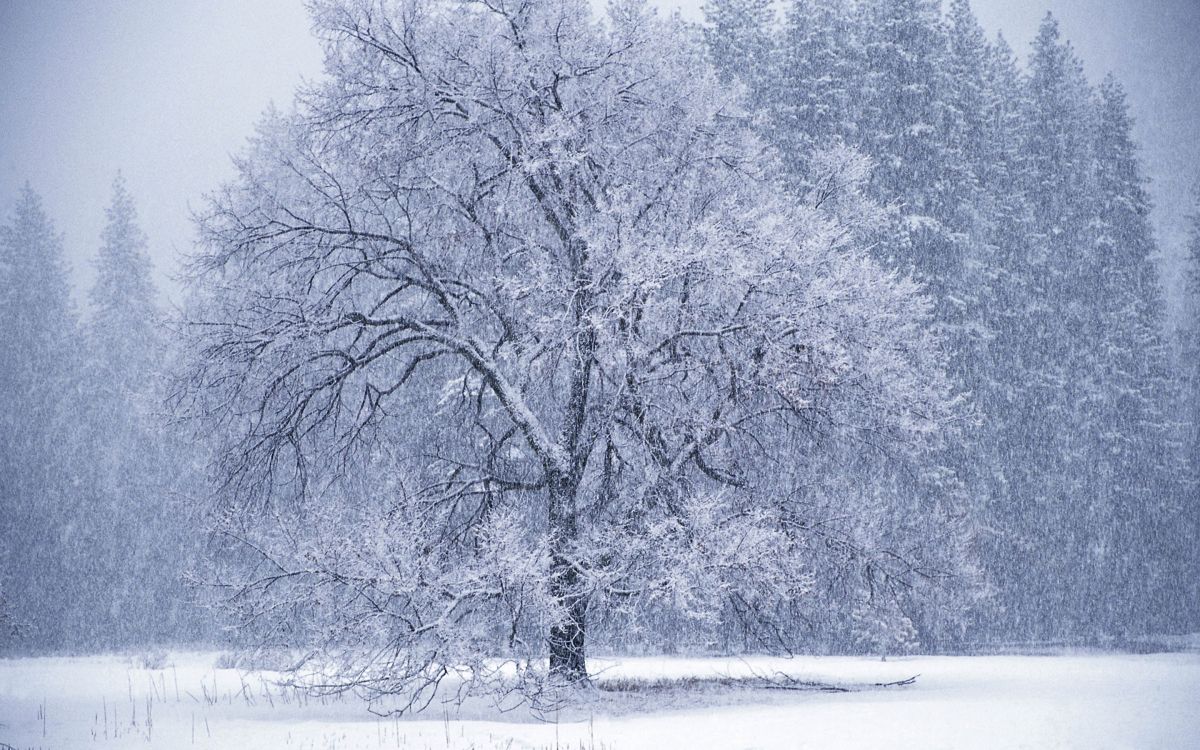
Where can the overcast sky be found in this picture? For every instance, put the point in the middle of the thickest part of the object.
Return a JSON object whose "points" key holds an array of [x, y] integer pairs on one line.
{"points": [[166, 90]]}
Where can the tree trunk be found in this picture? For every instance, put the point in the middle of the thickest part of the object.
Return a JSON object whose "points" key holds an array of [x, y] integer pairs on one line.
{"points": [[568, 661]]}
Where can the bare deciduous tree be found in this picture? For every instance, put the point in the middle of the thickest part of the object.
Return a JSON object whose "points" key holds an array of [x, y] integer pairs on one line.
{"points": [[512, 318]]}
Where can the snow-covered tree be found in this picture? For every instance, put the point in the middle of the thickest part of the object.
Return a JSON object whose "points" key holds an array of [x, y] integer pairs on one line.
{"points": [[1009, 357], [1192, 345], [133, 535], [819, 67], [1193, 245], [1190, 377], [970, 102], [511, 327], [904, 115], [740, 41], [1138, 460], [1047, 450], [124, 319], [94, 538], [38, 380]]}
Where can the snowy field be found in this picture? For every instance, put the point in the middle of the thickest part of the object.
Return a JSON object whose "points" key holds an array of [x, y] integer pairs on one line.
{"points": [[1072, 701]]}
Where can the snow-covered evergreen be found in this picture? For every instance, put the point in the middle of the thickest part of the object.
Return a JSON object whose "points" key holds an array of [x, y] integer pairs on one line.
{"points": [[1023, 209], [39, 349]]}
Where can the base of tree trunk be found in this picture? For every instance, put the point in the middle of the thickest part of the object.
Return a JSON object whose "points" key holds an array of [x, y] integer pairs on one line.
{"points": [[568, 661]]}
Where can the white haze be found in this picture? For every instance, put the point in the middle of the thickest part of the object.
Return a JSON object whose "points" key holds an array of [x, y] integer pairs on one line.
{"points": [[166, 92]]}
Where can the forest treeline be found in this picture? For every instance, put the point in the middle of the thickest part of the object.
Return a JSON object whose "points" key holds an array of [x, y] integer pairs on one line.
{"points": [[99, 520], [1013, 191], [1024, 206]]}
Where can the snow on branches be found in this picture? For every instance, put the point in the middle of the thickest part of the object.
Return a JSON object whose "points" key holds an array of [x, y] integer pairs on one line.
{"points": [[512, 320]]}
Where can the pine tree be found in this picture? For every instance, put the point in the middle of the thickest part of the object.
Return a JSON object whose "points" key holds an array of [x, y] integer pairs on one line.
{"points": [[820, 67], [1055, 432], [740, 41], [904, 118], [1139, 462], [916, 88], [137, 534], [1024, 211], [1189, 619], [125, 318], [1191, 345], [38, 401], [968, 98], [36, 303], [910, 122], [972, 187], [1009, 359]]}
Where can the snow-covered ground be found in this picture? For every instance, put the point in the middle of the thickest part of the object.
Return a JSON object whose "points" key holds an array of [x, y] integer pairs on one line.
{"points": [[1065, 701]]}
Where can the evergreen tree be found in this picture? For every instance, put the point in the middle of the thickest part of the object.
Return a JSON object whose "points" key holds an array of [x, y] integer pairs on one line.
{"points": [[1191, 347], [1139, 463], [93, 540], [125, 318], [38, 380], [970, 103], [1021, 205], [1008, 358], [903, 115], [819, 73], [872, 76], [740, 42], [1190, 377], [1193, 247], [138, 533], [909, 124], [978, 203], [1050, 453]]}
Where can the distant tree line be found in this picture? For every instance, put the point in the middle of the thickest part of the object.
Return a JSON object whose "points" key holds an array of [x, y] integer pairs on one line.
{"points": [[1023, 205]]}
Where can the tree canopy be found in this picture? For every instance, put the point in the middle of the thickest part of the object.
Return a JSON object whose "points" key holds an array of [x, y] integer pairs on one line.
{"points": [[513, 320]]}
